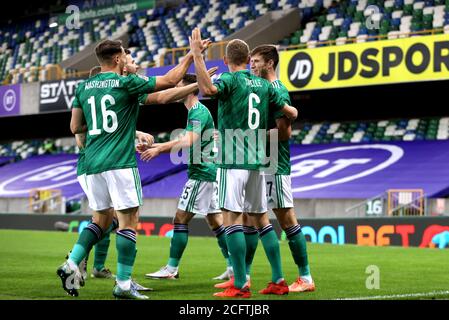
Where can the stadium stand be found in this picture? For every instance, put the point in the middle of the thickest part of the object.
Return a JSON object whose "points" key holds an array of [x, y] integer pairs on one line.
{"points": [[20, 150], [365, 131], [31, 52], [344, 21], [28, 51], [427, 129]]}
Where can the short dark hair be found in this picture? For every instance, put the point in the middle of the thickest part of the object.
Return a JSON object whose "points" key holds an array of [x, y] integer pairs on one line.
{"points": [[107, 49], [237, 52], [94, 71], [267, 52], [190, 78]]}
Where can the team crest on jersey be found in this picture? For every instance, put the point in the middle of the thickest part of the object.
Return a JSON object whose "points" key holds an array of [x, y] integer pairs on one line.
{"points": [[143, 77], [194, 122]]}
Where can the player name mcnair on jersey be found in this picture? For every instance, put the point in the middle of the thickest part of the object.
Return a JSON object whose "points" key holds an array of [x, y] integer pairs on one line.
{"points": [[110, 83]]}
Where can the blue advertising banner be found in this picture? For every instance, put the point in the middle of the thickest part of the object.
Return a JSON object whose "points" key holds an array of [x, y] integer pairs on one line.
{"points": [[332, 171], [59, 172], [10, 100], [353, 171], [359, 171]]}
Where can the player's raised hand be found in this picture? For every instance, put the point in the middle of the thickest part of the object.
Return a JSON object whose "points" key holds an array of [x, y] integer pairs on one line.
{"points": [[212, 71], [149, 154], [206, 44], [196, 44]]}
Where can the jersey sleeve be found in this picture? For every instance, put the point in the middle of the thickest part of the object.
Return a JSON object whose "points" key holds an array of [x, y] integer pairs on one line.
{"points": [[284, 93], [137, 84], [277, 102], [196, 121], [76, 101], [223, 84], [143, 98]]}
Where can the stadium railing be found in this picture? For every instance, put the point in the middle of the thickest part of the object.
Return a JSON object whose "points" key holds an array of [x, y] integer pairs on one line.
{"points": [[55, 72], [365, 38], [392, 203]]}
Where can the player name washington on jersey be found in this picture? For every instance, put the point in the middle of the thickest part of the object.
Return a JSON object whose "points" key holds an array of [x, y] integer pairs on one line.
{"points": [[283, 159], [243, 104], [110, 106], [110, 83]]}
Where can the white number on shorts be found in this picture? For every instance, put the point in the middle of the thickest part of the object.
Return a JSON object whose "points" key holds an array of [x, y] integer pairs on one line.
{"points": [[270, 184], [253, 111], [105, 115], [185, 195]]}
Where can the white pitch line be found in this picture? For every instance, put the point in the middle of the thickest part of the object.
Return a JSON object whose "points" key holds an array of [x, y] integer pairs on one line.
{"points": [[406, 295]]}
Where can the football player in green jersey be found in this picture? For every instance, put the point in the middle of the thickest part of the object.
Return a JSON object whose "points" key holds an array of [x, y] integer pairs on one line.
{"points": [[264, 60], [109, 104], [165, 96], [101, 248], [243, 104], [200, 194], [181, 92]]}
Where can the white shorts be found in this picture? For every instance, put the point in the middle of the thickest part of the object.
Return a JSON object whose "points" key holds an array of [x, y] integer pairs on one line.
{"points": [[242, 190], [119, 189], [199, 197], [279, 191], [82, 182]]}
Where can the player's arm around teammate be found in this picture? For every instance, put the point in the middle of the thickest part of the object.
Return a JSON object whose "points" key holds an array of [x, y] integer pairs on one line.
{"points": [[176, 74], [165, 96], [205, 84], [175, 94]]}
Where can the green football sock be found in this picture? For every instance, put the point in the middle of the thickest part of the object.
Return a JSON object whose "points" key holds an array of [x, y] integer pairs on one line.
{"points": [[252, 240], [270, 244], [298, 247], [178, 244], [101, 252], [235, 239], [221, 239], [126, 252], [86, 240], [101, 248]]}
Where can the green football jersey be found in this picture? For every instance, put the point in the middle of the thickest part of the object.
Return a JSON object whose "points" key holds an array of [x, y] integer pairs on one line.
{"points": [[110, 106], [244, 101], [143, 99], [201, 154], [284, 165], [80, 169]]}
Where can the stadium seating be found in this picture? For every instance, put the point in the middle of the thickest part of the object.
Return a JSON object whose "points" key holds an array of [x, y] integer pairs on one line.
{"points": [[217, 19], [24, 149], [365, 131], [303, 133], [28, 50], [355, 21], [372, 131]]}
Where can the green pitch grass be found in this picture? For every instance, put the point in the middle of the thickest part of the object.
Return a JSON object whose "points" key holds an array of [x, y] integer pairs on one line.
{"points": [[29, 260]]}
